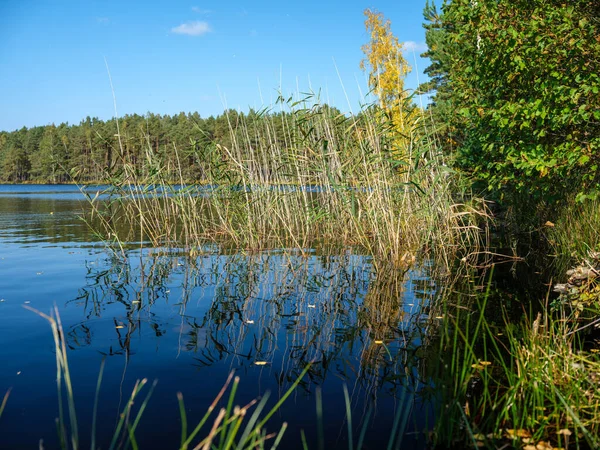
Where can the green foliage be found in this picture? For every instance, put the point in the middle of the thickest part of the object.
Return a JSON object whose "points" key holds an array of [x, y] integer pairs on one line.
{"points": [[182, 145], [577, 230], [523, 78], [516, 385], [437, 51]]}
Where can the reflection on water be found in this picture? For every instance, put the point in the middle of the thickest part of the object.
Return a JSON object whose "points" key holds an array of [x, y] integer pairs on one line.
{"points": [[284, 309], [188, 321]]}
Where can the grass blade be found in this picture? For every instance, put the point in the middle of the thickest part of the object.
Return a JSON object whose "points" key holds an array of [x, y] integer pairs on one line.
{"points": [[95, 411]]}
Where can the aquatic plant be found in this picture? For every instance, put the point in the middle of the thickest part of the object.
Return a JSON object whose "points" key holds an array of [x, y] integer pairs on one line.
{"points": [[575, 231], [4, 401], [523, 384], [232, 427], [331, 179]]}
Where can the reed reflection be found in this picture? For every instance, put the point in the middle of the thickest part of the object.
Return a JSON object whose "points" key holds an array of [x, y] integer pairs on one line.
{"points": [[277, 309]]}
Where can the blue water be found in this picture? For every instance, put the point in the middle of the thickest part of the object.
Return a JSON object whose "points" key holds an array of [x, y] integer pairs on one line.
{"points": [[190, 321]]}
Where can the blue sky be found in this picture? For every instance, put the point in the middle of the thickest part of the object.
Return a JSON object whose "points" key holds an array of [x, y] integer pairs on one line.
{"points": [[167, 57]]}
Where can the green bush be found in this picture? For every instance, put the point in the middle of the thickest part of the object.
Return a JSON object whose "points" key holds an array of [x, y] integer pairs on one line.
{"points": [[519, 83]]}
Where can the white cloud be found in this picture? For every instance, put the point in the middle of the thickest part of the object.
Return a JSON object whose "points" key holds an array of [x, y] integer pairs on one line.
{"points": [[412, 46], [195, 28], [102, 19], [198, 10]]}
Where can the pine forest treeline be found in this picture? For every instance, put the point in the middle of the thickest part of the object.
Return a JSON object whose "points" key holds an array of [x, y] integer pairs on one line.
{"points": [[93, 150]]}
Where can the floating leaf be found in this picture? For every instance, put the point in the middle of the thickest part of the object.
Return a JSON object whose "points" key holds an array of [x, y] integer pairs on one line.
{"points": [[518, 433]]}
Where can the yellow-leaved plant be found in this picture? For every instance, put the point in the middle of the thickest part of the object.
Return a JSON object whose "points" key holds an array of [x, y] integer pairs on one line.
{"points": [[387, 69]]}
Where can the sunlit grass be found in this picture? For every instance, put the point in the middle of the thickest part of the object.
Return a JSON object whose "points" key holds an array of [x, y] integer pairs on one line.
{"points": [[231, 427], [4, 401], [576, 231], [525, 383], [331, 179]]}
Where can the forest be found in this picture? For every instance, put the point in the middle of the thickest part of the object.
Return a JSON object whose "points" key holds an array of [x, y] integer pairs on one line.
{"points": [[89, 152]]}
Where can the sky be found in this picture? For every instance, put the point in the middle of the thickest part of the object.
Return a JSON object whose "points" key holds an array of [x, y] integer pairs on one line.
{"points": [[57, 58]]}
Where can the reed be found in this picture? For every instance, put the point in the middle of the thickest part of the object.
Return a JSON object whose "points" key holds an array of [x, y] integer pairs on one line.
{"points": [[530, 385], [4, 402], [303, 177], [232, 426], [576, 231]]}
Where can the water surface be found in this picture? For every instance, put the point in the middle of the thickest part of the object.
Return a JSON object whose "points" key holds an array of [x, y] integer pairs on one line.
{"points": [[190, 321]]}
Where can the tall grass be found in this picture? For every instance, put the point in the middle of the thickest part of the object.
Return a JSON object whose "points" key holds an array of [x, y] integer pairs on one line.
{"points": [[4, 402], [525, 384], [577, 230], [232, 427], [305, 177]]}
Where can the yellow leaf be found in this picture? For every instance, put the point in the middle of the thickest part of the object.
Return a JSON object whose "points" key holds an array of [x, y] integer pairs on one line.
{"points": [[518, 433]]}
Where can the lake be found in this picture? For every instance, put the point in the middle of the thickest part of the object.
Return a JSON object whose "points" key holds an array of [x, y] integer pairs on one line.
{"points": [[188, 321]]}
